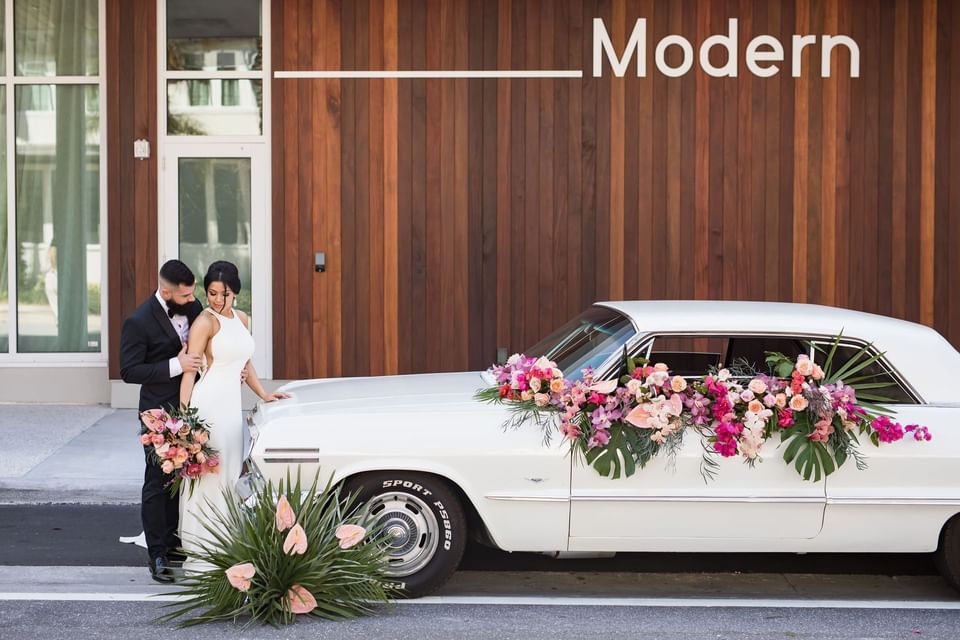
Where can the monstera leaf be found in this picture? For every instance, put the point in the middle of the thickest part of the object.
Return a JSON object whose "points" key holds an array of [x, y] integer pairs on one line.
{"points": [[629, 447]]}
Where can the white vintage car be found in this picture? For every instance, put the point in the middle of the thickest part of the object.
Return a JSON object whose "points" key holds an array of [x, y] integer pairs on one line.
{"points": [[437, 465]]}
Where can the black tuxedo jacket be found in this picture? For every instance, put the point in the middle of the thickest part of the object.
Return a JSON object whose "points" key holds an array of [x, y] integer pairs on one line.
{"points": [[147, 342]]}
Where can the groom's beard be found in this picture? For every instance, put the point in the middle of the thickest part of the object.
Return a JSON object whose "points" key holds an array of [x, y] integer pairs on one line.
{"points": [[178, 309]]}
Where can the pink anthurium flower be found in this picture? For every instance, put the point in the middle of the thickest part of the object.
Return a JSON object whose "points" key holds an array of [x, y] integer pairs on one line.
{"points": [[639, 416], [675, 405], [155, 419], [301, 600], [296, 542], [240, 575], [605, 387], [350, 535], [285, 515]]}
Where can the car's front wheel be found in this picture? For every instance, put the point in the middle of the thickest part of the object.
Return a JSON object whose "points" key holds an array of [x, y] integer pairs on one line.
{"points": [[423, 528], [948, 553]]}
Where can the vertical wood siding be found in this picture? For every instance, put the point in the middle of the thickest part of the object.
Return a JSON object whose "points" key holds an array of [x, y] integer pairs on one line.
{"points": [[459, 216]]}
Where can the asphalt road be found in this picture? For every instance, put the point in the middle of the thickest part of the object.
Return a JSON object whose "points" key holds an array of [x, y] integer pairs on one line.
{"points": [[78, 535], [64, 621]]}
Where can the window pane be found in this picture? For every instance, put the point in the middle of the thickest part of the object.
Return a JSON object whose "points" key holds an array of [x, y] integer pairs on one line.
{"points": [[3, 38], [214, 207], [214, 107], [214, 35], [58, 221], [4, 280], [689, 356], [586, 341], [53, 37]]}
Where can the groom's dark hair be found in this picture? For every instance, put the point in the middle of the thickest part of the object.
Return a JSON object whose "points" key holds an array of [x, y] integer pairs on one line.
{"points": [[176, 273]]}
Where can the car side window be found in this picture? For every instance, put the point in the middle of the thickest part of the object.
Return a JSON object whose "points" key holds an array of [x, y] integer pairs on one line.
{"points": [[876, 372], [752, 350], [688, 356]]}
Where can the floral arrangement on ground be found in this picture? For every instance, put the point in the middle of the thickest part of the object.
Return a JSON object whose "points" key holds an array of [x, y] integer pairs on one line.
{"points": [[617, 425], [180, 441], [293, 552]]}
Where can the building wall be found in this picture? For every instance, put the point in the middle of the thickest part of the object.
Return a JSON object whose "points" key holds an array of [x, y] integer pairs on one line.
{"points": [[459, 216], [131, 183]]}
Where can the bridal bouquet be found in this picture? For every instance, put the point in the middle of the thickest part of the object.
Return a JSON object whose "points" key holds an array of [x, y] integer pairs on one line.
{"points": [[180, 441]]}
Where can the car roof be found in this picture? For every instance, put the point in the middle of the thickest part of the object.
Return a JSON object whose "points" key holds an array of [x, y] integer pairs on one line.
{"points": [[919, 353]]}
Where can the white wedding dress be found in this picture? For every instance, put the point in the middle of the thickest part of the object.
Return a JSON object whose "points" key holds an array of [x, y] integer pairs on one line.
{"points": [[216, 397]]}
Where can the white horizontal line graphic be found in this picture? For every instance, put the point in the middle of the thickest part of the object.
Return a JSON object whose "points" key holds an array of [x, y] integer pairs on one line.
{"points": [[787, 603], [456, 74]]}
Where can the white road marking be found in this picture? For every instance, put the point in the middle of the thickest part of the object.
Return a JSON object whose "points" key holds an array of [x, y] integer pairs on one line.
{"points": [[548, 601]]}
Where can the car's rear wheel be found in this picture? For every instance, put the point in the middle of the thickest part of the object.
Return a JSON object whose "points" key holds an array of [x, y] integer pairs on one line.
{"points": [[948, 553], [422, 523]]}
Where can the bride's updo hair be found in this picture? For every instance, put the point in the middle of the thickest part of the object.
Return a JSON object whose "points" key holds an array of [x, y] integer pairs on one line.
{"points": [[225, 272]]}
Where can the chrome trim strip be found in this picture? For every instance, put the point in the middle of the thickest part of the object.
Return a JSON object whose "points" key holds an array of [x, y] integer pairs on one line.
{"points": [[527, 498], [937, 502], [291, 460], [312, 450], [749, 499]]}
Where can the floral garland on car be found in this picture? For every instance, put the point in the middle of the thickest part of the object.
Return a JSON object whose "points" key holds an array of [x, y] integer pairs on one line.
{"points": [[286, 552], [618, 425]]}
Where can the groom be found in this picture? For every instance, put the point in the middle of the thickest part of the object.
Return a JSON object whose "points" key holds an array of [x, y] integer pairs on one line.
{"points": [[153, 354]]}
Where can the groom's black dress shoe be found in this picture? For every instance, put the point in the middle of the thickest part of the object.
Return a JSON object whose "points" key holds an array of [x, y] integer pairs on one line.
{"points": [[160, 570], [176, 556]]}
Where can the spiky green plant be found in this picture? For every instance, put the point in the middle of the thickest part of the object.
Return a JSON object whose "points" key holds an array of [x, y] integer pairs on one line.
{"points": [[346, 583]]}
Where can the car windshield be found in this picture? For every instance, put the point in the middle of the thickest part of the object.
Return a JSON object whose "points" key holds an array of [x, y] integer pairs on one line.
{"points": [[586, 341]]}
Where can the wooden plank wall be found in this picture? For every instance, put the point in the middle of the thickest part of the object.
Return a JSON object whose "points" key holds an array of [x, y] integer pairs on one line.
{"points": [[131, 105], [504, 206], [462, 215]]}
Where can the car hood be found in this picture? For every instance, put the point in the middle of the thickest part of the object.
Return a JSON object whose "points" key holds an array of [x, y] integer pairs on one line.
{"points": [[375, 394]]}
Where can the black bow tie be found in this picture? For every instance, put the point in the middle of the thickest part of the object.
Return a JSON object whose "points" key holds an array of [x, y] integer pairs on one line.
{"points": [[171, 312]]}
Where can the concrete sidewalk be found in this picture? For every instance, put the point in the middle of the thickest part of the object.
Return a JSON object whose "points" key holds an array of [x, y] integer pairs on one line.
{"points": [[76, 454]]}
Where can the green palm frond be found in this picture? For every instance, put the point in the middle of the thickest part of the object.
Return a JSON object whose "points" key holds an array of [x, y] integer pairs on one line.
{"points": [[346, 583]]}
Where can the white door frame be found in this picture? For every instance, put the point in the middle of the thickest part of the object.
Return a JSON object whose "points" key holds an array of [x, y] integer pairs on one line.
{"points": [[260, 255]]}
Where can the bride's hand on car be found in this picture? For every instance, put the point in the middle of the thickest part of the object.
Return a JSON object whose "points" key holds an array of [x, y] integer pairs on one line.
{"points": [[276, 395]]}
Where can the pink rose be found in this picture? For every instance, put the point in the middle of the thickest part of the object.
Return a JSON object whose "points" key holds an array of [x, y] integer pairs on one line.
{"points": [[350, 535], [167, 466], [781, 400], [240, 575], [758, 386], [541, 399], [798, 403], [181, 457], [817, 372], [285, 517], [213, 462], [201, 457], [146, 439], [296, 542], [301, 600], [157, 439]]}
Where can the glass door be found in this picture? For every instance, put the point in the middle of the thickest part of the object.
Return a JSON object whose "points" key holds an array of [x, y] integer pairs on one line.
{"points": [[213, 208]]}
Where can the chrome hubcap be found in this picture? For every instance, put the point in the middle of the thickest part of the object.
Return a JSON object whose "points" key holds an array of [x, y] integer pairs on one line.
{"points": [[410, 532]]}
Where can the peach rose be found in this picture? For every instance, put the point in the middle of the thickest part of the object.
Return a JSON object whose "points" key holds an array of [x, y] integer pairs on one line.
{"points": [[817, 372], [660, 367], [678, 384], [350, 535], [167, 466], [285, 516], [541, 399], [201, 457], [301, 600], [240, 575], [781, 400], [525, 395], [758, 386], [755, 406], [296, 542], [798, 403], [556, 385], [804, 365], [181, 457]]}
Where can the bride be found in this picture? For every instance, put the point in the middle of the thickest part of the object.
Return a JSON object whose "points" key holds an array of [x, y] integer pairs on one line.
{"points": [[222, 334]]}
